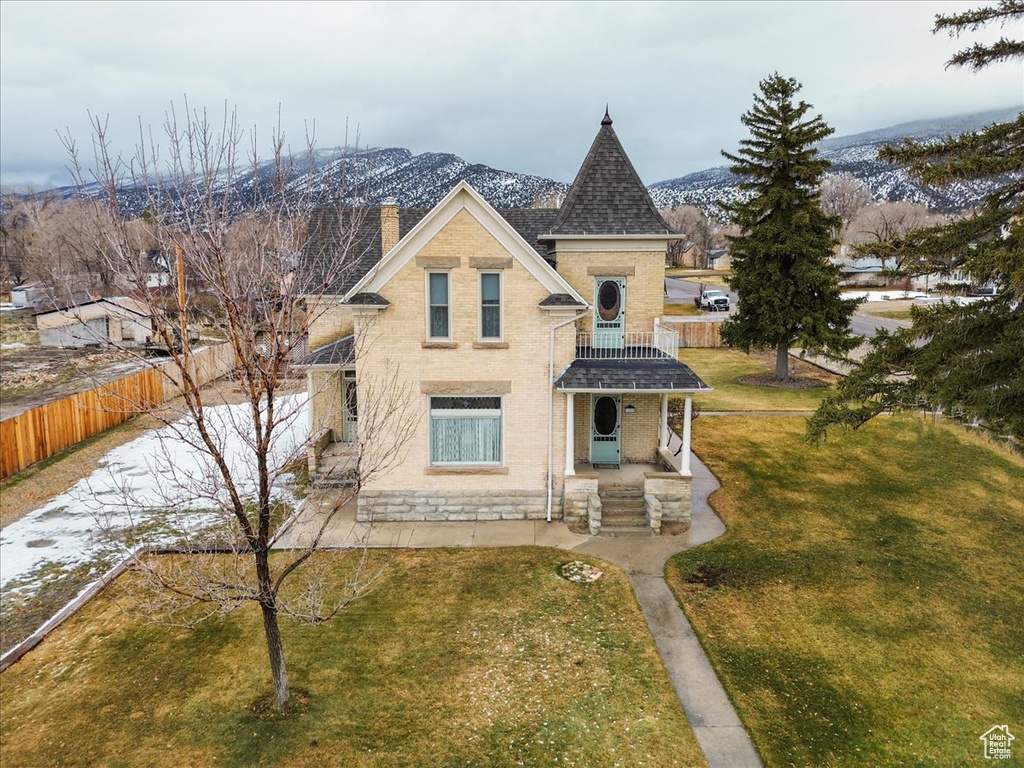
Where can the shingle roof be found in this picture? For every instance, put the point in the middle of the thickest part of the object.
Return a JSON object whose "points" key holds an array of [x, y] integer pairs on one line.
{"points": [[343, 244], [340, 352], [560, 300], [639, 375], [368, 300], [531, 223], [607, 197]]}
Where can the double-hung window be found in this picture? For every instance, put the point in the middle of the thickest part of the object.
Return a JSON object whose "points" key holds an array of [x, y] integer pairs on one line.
{"points": [[490, 306], [439, 317], [465, 430]]}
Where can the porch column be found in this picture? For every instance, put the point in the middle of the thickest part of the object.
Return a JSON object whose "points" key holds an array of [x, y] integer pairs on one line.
{"points": [[570, 435], [685, 459], [663, 423], [311, 415]]}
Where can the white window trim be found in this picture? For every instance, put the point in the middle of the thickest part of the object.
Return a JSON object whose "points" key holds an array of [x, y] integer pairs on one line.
{"points": [[454, 413], [480, 307], [426, 290]]}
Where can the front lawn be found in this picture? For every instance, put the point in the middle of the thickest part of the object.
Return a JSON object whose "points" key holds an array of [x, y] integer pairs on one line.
{"points": [[681, 310], [723, 369], [864, 607], [459, 657]]}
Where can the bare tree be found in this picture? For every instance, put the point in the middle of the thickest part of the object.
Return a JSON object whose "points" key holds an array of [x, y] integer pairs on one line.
{"points": [[241, 258], [23, 221], [844, 195], [880, 230], [552, 197], [701, 235]]}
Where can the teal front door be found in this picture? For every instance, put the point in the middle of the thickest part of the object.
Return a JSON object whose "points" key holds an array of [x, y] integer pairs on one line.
{"points": [[610, 314], [351, 407], [605, 428]]}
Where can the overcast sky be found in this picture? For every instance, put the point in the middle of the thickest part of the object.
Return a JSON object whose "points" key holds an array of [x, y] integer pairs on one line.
{"points": [[520, 87]]}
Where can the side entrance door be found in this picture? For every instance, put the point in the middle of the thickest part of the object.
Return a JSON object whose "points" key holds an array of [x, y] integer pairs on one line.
{"points": [[605, 429], [348, 393], [610, 317]]}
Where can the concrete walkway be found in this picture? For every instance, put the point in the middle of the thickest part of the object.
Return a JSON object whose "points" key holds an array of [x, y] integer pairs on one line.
{"points": [[719, 732]]}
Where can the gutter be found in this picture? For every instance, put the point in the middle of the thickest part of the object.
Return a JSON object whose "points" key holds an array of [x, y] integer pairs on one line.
{"points": [[551, 400]]}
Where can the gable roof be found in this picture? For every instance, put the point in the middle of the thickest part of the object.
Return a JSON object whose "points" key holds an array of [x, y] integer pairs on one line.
{"points": [[349, 234], [607, 197], [353, 234], [121, 302], [464, 197]]}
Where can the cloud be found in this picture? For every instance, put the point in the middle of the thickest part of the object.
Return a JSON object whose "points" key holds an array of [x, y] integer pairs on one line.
{"points": [[515, 86]]}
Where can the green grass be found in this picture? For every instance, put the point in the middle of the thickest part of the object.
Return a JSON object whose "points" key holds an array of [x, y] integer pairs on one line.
{"points": [[681, 309], [722, 367], [706, 276], [864, 607], [458, 657], [894, 314]]}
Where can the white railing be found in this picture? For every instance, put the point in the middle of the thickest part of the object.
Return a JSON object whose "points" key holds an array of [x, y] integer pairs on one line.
{"points": [[629, 345]]}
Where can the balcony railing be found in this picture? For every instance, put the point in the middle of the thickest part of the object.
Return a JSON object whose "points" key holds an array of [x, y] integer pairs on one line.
{"points": [[660, 344]]}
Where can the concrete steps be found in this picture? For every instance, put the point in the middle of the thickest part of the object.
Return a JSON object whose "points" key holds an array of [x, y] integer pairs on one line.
{"points": [[623, 513]]}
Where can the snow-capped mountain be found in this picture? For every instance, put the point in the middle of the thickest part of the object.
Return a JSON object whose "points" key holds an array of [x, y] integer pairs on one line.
{"points": [[371, 175], [858, 155], [366, 177]]}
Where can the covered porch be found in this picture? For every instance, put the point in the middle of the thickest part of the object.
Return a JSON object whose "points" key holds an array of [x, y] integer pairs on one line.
{"points": [[625, 471], [333, 454]]}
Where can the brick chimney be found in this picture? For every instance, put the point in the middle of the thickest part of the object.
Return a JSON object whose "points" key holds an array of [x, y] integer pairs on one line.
{"points": [[388, 224]]}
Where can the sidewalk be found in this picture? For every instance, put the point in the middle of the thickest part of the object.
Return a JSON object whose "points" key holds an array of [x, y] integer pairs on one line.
{"points": [[715, 723]]}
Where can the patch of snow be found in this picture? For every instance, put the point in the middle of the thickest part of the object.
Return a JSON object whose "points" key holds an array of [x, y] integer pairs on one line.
{"points": [[13, 345], [155, 476]]}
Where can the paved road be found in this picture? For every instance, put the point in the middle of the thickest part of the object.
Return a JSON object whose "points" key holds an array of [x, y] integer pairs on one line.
{"points": [[683, 291]]}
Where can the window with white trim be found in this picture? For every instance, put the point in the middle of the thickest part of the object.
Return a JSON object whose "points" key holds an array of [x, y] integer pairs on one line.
{"points": [[465, 430], [439, 321], [490, 306]]}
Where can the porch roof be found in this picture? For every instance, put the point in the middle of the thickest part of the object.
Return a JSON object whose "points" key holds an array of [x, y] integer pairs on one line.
{"points": [[658, 375], [338, 353]]}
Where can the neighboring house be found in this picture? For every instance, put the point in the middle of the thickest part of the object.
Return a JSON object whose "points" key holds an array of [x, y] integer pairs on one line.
{"points": [[719, 258], [28, 295], [119, 320], [527, 348]]}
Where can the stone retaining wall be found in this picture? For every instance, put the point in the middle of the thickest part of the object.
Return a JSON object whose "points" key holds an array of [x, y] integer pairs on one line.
{"points": [[672, 493], [578, 491], [453, 505]]}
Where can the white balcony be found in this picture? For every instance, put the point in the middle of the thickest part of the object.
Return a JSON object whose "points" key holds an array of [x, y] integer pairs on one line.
{"points": [[660, 344]]}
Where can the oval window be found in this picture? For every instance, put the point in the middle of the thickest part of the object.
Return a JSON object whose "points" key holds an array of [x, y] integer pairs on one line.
{"points": [[608, 300], [350, 398], [606, 416]]}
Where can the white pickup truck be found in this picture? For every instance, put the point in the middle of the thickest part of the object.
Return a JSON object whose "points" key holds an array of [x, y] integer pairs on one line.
{"points": [[712, 300]]}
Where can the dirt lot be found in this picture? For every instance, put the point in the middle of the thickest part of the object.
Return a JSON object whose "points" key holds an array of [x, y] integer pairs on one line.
{"points": [[31, 375]]}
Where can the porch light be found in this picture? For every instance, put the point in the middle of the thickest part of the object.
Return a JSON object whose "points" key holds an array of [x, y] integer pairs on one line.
{"points": [[630, 409]]}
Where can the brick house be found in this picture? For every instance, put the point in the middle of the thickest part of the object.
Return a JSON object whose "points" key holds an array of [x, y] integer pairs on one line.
{"points": [[527, 350]]}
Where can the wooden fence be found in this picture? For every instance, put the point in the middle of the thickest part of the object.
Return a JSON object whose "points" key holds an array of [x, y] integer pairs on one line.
{"points": [[45, 430], [698, 331]]}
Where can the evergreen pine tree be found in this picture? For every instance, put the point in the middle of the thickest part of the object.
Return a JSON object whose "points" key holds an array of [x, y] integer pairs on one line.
{"points": [[788, 289], [967, 360]]}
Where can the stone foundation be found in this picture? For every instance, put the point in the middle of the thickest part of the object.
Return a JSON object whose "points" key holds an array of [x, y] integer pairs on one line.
{"points": [[579, 489], [451, 505], [668, 498]]}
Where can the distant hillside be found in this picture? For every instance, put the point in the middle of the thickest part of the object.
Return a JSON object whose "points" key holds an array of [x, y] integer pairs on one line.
{"points": [[373, 175], [422, 180], [858, 155]]}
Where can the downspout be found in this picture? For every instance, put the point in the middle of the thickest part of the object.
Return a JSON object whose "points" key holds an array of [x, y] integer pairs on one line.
{"points": [[551, 401]]}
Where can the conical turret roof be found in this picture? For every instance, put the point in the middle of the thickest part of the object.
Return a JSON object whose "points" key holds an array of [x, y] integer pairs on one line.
{"points": [[607, 197]]}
